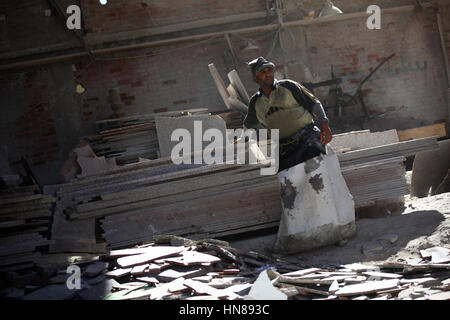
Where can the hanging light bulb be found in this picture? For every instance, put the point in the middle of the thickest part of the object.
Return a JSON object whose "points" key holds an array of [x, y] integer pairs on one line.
{"points": [[80, 89], [103, 2], [330, 10]]}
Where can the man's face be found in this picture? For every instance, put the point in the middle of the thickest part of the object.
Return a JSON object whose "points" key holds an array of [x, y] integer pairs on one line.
{"points": [[265, 78]]}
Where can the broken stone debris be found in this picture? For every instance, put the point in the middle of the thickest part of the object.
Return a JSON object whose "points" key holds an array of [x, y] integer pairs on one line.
{"points": [[200, 270]]}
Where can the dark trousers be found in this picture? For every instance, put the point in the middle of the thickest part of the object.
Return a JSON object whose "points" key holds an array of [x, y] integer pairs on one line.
{"points": [[301, 146]]}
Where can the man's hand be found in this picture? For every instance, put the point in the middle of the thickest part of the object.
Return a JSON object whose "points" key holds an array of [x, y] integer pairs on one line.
{"points": [[325, 133]]}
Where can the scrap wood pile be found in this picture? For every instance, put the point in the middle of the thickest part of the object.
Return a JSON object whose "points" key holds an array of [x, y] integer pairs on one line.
{"points": [[176, 268], [134, 202], [24, 215], [155, 197], [372, 163], [387, 151], [376, 180], [129, 138]]}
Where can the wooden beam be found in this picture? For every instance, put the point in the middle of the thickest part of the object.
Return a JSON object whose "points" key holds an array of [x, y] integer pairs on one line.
{"points": [[235, 80], [219, 84], [437, 130], [95, 39], [202, 36]]}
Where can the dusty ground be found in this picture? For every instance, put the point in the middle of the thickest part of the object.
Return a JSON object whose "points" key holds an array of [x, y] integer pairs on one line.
{"points": [[424, 223]]}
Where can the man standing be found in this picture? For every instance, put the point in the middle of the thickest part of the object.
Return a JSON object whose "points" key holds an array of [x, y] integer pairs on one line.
{"points": [[288, 106]]}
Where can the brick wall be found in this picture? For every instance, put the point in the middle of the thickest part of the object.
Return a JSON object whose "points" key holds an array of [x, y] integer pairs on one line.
{"points": [[29, 124], [165, 80], [410, 88], [26, 26], [126, 15], [41, 119]]}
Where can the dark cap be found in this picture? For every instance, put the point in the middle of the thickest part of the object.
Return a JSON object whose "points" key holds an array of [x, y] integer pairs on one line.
{"points": [[260, 63]]}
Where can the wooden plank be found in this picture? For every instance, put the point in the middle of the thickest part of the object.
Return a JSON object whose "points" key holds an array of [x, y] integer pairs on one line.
{"points": [[24, 207], [128, 252], [304, 280], [155, 253], [439, 296], [219, 224], [98, 39], [18, 191], [382, 275], [342, 273], [404, 148], [16, 267], [336, 278], [219, 84], [9, 224], [417, 267], [129, 285], [24, 247], [423, 132], [204, 279], [311, 276], [235, 80], [147, 167], [139, 269], [136, 197], [174, 219], [360, 267], [136, 177], [300, 273], [261, 196], [202, 288], [151, 115], [162, 200], [117, 273], [153, 267], [394, 290], [362, 298], [177, 285], [28, 214], [19, 258], [172, 274], [11, 239], [189, 258], [141, 293], [367, 287], [306, 291], [419, 281], [150, 280], [8, 201]]}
